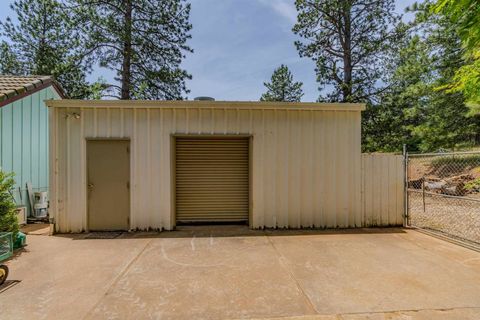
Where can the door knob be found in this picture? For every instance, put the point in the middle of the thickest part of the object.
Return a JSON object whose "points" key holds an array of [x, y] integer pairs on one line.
{"points": [[90, 185]]}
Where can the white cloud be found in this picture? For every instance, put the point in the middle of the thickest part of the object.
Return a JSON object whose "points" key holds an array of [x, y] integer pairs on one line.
{"points": [[285, 8]]}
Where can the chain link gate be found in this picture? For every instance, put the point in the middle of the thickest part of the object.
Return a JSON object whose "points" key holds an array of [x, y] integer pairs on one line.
{"points": [[443, 193]]}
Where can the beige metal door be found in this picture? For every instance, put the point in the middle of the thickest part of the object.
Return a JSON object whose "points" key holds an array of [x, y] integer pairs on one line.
{"points": [[211, 179], [108, 164]]}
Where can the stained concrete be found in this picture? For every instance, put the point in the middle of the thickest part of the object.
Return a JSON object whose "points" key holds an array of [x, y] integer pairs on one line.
{"points": [[236, 273]]}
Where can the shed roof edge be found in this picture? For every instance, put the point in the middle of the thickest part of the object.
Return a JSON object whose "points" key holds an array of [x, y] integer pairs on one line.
{"points": [[249, 105]]}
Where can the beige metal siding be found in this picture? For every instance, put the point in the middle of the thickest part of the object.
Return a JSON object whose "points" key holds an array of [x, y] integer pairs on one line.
{"points": [[383, 189], [211, 179], [305, 161]]}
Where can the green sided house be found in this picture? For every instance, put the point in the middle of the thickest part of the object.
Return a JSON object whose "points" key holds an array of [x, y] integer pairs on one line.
{"points": [[24, 131]]}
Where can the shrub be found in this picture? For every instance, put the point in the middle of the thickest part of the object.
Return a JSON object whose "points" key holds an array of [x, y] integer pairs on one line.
{"points": [[8, 218], [473, 185]]}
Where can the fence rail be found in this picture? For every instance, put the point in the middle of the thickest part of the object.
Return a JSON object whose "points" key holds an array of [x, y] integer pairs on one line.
{"points": [[445, 196]]}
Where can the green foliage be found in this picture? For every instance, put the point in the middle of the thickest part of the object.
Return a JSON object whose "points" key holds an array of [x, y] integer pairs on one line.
{"points": [[348, 41], [473, 185], [143, 41], [460, 163], [465, 16], [387, 124], [446, 122], [9, 63], [467, 81], [413, 111], [8, 218], [98, 89], [282, 87], [45, 41]]}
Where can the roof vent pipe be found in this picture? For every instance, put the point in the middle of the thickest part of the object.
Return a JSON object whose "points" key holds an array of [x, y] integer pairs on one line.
{"points": [[204, 99]]}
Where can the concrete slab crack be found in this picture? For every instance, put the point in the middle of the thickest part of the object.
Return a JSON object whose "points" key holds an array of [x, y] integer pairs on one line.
{"points": [[118, 277], [283, 260]]}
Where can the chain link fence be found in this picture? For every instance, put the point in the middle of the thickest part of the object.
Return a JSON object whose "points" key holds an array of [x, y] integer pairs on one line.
{"points": [[443, 193]]}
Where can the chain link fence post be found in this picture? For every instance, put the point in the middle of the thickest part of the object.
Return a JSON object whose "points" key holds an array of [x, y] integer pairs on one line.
{"points": [[405, 172]]}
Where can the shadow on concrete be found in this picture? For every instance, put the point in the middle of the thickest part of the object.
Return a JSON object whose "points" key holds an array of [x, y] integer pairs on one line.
{"points": [[8, 284], [18, 252], [207, 231]]}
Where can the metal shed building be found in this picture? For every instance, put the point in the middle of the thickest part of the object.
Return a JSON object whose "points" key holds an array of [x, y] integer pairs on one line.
{"points": [[155, 164]]}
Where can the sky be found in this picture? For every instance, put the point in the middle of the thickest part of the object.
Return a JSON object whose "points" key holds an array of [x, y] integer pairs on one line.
{"points": [[237, 44]]}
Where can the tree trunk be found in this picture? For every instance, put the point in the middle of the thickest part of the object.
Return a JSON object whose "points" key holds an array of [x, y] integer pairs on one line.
{"points": [[347, 56], [127, 52]]}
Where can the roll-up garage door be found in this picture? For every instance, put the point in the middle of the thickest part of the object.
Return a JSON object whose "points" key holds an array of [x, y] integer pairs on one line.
{"points": [[211, 179]]}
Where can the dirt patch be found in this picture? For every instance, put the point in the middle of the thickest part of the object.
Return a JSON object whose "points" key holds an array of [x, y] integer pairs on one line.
{"points": [[454, 216], [38, 229], [457, 175]]}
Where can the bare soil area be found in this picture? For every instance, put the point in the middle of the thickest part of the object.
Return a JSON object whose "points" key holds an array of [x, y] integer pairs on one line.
{"points": [[459, 217]]}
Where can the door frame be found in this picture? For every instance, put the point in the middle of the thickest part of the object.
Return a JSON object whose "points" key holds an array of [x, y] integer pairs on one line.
{"points": [[87, 222], [173, 171]]}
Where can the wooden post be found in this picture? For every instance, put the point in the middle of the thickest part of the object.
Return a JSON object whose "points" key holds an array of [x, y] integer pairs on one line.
{"points": [[423, 193]]}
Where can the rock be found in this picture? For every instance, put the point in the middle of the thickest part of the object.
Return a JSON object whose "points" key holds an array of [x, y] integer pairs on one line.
{"points": [[435, 185], [455, 190]]}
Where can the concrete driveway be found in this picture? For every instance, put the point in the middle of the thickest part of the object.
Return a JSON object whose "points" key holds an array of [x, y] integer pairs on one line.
{"points": [[233, 272]]}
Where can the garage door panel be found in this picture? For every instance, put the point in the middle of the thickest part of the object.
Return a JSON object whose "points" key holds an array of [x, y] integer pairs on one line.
{"points": [[233, 189], [212, 179], [218, 182]]}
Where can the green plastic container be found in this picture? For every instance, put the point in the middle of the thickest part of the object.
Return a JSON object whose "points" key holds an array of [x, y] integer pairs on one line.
{"points": [[20, 241], [6, 251], [6, 245]]}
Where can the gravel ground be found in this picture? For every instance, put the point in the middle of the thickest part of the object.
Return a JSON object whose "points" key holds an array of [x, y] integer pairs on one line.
{"points": [[458, 216]]}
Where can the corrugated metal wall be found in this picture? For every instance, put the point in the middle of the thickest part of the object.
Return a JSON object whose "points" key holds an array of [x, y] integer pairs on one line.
{"points": [[383, 191], [306, 164], [24, 141]]}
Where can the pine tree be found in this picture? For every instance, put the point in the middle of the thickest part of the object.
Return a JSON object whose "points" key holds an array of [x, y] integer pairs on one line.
{"points": [[282, 87], [413, 111], [44, 41], [9, 63], [388, 124], [347, 40], [143, 41]]}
